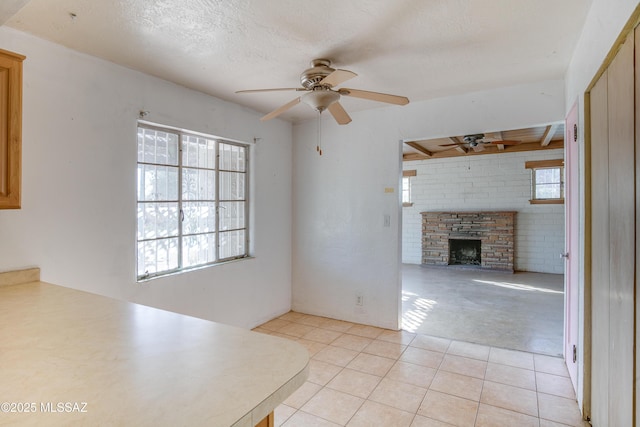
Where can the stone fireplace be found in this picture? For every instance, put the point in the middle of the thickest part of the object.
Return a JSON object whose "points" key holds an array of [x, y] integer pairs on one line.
{"points": [[481, 239]]}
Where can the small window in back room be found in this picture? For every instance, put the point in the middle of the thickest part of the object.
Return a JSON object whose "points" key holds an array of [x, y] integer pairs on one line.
{"points": [[547, 181], [407, 175], [192, 200]]}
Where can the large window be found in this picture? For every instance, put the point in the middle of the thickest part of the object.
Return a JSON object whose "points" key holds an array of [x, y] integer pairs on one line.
{"points": [[192, 200], [547, 181]]}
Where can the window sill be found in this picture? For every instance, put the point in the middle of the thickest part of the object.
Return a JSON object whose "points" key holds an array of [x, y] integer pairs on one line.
{"points": [[190, 269], [547, 202], [406, 205]]}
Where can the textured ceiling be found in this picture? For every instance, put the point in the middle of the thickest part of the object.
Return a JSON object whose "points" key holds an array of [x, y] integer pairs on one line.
{"points": [[416, 48]]}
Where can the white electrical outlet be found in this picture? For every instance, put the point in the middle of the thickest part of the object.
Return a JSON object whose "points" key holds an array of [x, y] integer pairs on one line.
{"points": [[359, 300], [387, 220]]}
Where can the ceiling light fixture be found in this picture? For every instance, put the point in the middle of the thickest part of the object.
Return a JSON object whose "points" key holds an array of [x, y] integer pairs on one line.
{"points": [[320, 98]]}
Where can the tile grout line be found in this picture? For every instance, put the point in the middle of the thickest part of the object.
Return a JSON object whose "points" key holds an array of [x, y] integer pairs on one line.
{"points": [[535, 381], [475, 420], [399, 341]]}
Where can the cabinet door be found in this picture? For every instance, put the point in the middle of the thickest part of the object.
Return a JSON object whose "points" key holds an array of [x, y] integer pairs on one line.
{"points": [[622, 166], [600, 267], [613, 173], [10, 129]]}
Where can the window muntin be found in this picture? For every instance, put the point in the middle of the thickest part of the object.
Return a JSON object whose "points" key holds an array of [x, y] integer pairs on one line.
{"points": [[192, 201], [547, 183]]}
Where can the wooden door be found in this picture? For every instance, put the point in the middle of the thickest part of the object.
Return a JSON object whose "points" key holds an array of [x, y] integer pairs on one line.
{"points": [[613, 172], [637, 284], [622, 234], [599, 253], [572, 233]]}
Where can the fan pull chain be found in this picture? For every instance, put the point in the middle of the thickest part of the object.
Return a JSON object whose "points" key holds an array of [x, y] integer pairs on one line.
{"points": [[319, 142]]}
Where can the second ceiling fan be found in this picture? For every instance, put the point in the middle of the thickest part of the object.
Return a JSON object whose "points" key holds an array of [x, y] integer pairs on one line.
{"points": [[477, 141], [318, 82]]}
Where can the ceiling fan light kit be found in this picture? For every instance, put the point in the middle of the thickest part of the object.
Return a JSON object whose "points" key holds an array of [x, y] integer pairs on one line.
{"points": [[320, 100], [319, 81]]}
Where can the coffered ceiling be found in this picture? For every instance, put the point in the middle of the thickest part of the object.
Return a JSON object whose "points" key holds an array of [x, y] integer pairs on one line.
{"points": [[530, 139]]}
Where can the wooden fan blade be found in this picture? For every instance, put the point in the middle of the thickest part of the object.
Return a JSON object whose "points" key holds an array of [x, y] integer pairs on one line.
{"points": [[478, 148], [337, 77], [278, 111], [375, 96], [452, 145], [505, 142], [339, 113], [270, 90]]}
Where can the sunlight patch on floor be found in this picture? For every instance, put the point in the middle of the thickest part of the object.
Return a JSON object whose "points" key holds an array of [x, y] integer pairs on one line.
{"points": [[518, 286], [416, 315]]}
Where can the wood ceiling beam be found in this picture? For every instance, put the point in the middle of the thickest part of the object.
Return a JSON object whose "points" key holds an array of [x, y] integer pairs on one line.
{"points": [[419, 148], [500, 146], [491, 149], [548, 134], [414, 156], [460, 148]]}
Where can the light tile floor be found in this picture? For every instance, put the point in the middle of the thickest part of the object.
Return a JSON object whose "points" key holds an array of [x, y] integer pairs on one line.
{"points": [[366, 376]]}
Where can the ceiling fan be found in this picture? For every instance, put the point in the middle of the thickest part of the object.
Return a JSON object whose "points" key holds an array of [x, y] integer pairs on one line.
{"points": [[477, 141], [318, 82]]}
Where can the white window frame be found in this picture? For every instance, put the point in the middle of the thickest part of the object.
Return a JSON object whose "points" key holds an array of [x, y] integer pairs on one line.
{"points": [[181, 203], [537, 165]]}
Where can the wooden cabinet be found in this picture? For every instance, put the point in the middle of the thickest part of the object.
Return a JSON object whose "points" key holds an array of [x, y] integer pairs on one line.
{"points": [[615, 172], [10, 129], [268, 421]]}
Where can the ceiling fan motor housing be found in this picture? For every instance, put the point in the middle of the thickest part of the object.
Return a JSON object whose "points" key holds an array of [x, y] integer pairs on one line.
{"points": [[320, 68], [473, 140]]}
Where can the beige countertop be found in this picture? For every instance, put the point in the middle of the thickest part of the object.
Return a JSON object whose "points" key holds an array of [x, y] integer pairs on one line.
{"points": [[70, 357]]}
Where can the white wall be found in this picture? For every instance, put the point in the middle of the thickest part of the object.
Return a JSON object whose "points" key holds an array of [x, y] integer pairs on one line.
{"points": [[78, 216], [340, 247], [604, 23], [483, 183]]}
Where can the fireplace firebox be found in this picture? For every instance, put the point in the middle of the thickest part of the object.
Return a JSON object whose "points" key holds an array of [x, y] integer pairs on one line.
{"points": [[465, 252]]}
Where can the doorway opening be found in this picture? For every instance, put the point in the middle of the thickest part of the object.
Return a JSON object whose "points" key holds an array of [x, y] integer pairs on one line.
{"points": [[458, 279]]}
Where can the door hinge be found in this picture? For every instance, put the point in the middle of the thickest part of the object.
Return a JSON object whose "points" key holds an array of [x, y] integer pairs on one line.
{"points": [[575, 354]]}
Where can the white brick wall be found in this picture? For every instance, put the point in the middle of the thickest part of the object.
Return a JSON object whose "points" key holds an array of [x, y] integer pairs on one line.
{"points": [[487, 182]]}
